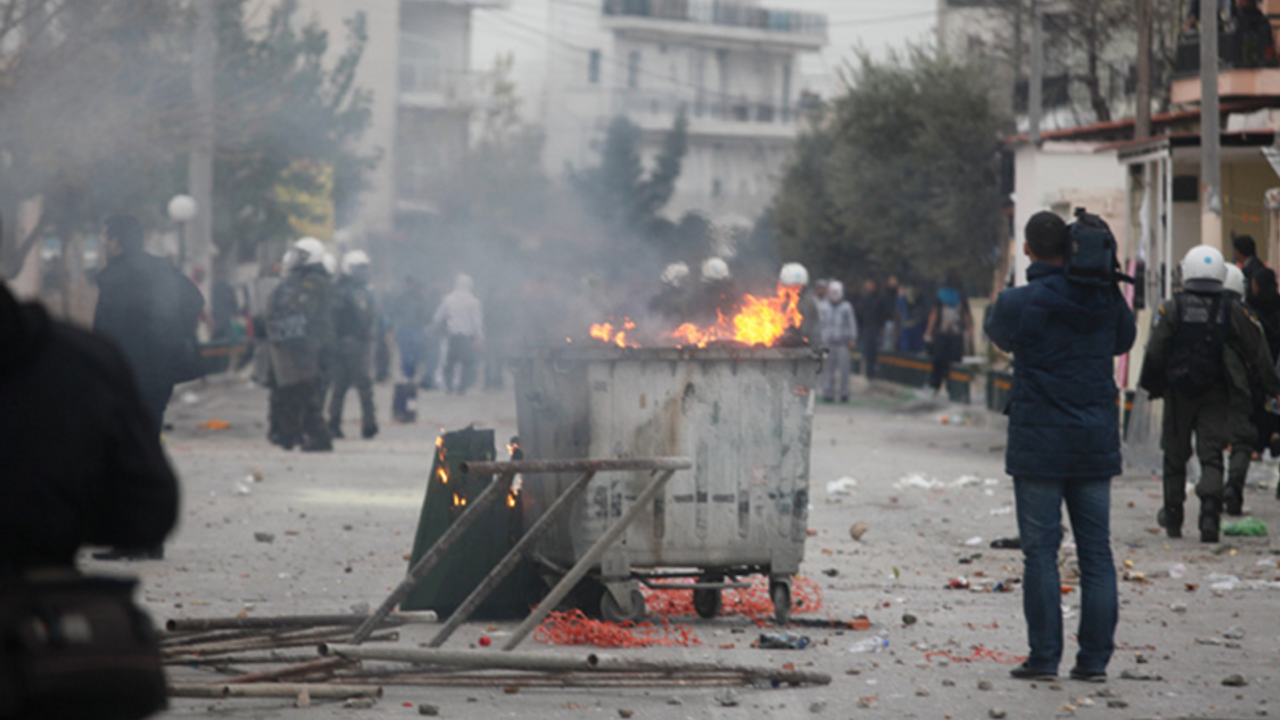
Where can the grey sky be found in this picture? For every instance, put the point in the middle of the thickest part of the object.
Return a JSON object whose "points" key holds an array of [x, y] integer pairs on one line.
{"points": [[877, 25]]}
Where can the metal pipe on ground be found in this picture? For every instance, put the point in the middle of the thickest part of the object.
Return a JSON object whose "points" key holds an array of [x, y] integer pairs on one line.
{"points": [[642, 503], [273, 642], [274, 658], [553, 681], [596, 465], [273, 690], [311, 667], [285, 622], [433, 555], [462, 658]]}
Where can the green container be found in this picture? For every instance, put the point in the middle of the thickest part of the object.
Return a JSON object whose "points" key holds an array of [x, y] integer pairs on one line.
{"points": [[476, 553]]}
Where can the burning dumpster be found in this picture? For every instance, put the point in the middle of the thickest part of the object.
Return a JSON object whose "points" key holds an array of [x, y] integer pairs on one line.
{"points": [[744, 414]]}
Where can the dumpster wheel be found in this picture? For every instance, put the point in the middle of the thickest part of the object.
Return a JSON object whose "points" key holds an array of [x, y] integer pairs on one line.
{"points": [[612, 611], [780, 594], [707, 602]]}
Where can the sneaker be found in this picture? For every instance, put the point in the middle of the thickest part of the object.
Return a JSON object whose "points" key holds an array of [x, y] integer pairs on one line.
{"points": [[1024, 672], [1088, 675]]}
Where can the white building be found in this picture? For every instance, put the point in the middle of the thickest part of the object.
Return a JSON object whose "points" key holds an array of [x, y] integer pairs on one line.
{"points": [[417, 63], [732, 65]]}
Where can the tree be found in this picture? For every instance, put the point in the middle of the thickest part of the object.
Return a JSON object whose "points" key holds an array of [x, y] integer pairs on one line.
{"points": [[618, 192], [286, 126], [91, 108], [900, 174]]}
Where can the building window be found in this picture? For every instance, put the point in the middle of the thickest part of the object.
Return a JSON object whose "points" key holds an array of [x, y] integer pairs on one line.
{"points": [[633, 70], [593, 68], [419, 65]]}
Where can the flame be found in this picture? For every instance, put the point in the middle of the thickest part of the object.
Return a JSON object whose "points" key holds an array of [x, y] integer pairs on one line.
{"points": [[459, 501], [514, 495], [606, 332], [760, 321]]}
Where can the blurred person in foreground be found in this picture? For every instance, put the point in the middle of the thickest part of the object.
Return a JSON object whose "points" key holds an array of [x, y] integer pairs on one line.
{"points": [[356, 324], [1064, 444], [81, 457], [461, 317]]}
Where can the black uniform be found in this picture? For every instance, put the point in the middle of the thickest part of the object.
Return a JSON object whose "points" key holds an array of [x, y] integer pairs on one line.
{"points": [[355, 323], [80, 461]]}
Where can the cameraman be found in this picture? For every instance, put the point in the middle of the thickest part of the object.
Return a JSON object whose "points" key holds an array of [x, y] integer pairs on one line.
{"points": [[1064, 443]]}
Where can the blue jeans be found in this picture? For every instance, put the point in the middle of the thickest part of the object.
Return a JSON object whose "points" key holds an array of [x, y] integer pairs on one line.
{"points": [[1039, 505]]}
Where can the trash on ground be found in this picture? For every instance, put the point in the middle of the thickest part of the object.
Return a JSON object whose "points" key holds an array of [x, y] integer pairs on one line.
{"points": [[858, 530], [843, 486], [783, 641], [215, 425], [1248, 527], [873, 644], [575, 628]]}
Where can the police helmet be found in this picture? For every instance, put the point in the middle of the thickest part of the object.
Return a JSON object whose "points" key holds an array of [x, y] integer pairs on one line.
{"points": [[793, 274], [674, 274], [1203, 266], [354, 261], [1235, 281], [310, 251], [715, 269]]}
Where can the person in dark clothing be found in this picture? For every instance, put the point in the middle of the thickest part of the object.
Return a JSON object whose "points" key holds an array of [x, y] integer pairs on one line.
{"points": [[355, 322], [149, 309], [224, 307], [872, 312], [82, 463], [1064, 444], [912, 313], [1245, 251]]}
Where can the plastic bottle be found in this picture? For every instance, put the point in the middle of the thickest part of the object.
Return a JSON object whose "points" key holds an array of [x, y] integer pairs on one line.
{"points": [[783, 641], [873, 644]]}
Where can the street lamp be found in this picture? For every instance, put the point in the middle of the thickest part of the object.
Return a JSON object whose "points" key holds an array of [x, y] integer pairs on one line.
{"points": [[182, 209]]}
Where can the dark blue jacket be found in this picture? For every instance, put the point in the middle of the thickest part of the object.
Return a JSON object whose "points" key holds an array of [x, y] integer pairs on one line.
{"points": [[1064, 418]]}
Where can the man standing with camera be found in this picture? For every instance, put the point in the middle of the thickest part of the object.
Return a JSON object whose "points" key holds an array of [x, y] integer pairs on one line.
{"points": [[1064, 439]]}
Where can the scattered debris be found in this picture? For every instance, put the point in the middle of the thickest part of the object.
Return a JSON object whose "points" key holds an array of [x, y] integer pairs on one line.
{"points": [[428, 709], [985, 685], [1234, 681], [1127, 674], [216, 425], [817, 707], [1007, 543], [359, 703], [1234, 633], [624, 714], [909, 619], [997, 713], [1248, 527], [858, 530], [842, 487], [783, 641], [263, 537], [727, 698], [1117, 704]]}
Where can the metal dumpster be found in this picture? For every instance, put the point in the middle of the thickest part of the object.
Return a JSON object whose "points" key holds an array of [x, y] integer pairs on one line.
{"points": [[744, 414]]}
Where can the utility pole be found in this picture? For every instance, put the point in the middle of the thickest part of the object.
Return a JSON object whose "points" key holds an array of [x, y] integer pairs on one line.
{"points": [[1035, 84], [200, 161], [1142, 116], [1210, 129]]}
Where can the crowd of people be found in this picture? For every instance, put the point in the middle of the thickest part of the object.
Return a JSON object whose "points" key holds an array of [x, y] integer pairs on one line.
{"points": [[889, 317]]}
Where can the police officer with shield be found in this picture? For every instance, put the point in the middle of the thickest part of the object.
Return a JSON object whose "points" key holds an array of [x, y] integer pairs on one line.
{"points": [[1197, 338], [300, 332]]}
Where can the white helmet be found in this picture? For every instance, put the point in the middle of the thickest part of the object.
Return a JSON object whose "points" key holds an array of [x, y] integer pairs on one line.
{"points": [[793, 274], [354, 260], [714, 269], [675, 274], [1204, 265], [310, 251], [289, 261], [330, 263], [1235, 281]]}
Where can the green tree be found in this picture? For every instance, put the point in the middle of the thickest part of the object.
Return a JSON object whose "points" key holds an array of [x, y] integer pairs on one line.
{"points": [[286, 123], [900, 177], [618, 192]]}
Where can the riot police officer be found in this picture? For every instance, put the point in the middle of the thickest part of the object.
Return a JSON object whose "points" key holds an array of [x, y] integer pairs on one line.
{"points": [[1242, 390], [300, 331], [355, 324], [1196, 338]]}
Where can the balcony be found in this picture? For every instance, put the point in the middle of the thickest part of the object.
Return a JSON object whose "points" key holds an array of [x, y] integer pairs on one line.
{"points": [[425, 86], [731, 21], [1248, 65], [656, 112]]}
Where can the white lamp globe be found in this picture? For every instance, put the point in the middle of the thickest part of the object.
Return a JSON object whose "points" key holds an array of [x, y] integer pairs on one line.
{"points": [[182, 208]]}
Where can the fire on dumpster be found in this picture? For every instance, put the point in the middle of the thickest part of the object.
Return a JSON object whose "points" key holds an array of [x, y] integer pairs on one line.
{"points": [[753, 321]]}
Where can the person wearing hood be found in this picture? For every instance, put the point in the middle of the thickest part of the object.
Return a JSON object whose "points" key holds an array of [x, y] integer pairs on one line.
{"points": [[1064, 444], [300, 333], [150, 310], [81, 457], [461, 316], [839, 335], [1197, 338]]}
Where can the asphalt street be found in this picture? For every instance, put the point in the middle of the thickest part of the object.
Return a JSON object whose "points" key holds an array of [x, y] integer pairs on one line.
{"points": [[926, 479]]}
